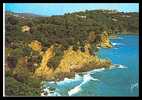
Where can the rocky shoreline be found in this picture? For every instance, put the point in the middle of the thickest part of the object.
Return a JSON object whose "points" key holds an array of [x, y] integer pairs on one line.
{"points": [[71, 61]]}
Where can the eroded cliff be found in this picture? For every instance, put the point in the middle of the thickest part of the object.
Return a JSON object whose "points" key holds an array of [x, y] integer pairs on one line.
{"points": [[105, 42], [72, 61]]}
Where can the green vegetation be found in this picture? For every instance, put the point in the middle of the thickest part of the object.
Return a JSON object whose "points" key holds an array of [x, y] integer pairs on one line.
{"points": [[70, 28], [17, 88]]}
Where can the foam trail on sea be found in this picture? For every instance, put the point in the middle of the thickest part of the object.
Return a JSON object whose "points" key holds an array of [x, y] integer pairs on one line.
{"points": [[54, 94], [74, 90], [53, 88], [116, 44], [134, 85], [119, 38], [117, 66], [122, 66], [94, 71], [67, 80], [86, 78], [74, 85]]}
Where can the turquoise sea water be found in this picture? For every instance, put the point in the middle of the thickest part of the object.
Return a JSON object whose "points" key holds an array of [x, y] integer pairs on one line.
{"points": [[121, 80]]}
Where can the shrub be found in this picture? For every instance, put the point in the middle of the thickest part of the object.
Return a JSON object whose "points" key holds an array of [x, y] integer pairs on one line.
{"points": [[16, 88]]}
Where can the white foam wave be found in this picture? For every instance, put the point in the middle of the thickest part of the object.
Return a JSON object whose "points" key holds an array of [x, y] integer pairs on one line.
{"points": [[52, 82], [54, 94], [47, 92], [120, 38], [116, 44], [42, 94], [81, 80], [74, 90], [135, 85], [122, 66], [86, 78], [94, 71], [117, 66], [67, 80], [75, 83]]}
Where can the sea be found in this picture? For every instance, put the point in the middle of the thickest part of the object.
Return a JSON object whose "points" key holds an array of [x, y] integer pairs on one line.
{"points": [[122, 79]]}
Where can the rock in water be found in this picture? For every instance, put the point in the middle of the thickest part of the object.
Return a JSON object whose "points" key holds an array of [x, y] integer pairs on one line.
{"points": [[105, 42]]}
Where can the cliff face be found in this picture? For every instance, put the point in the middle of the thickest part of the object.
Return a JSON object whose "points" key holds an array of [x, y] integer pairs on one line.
{"points": [[71, 62], [43, 70], [105, 42]]}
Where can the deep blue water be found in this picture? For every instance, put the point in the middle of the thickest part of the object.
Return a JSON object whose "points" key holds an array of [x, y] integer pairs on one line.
{"points": [[117, 81], [121, 81]]}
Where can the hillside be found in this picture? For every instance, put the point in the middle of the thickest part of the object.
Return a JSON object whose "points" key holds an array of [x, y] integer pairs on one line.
{"points": [[73, 27]]}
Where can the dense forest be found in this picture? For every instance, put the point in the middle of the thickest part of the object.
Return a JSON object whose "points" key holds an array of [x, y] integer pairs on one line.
{"points": [[71, 29]]}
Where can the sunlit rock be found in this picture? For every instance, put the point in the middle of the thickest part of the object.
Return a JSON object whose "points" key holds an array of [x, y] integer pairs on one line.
{"points": [[25, 28], [105, 42], [43, 70], [72, 61], [36, 45]]}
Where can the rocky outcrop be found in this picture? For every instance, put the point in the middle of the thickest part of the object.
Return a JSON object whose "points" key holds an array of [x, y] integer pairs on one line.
{"points": [[25, 28], [88, 48], [71, 62], [43, 71], [36, 45], [105, 42]]}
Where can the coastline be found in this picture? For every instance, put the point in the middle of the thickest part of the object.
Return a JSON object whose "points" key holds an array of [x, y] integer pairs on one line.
{"points": [[122, 67], [86, 52], [83, 77], [64, 69]]}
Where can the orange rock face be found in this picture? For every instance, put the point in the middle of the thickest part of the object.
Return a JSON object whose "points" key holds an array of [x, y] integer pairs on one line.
{"points": [[105, 42], [43, 70], [36, 45], [72, 61]]}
